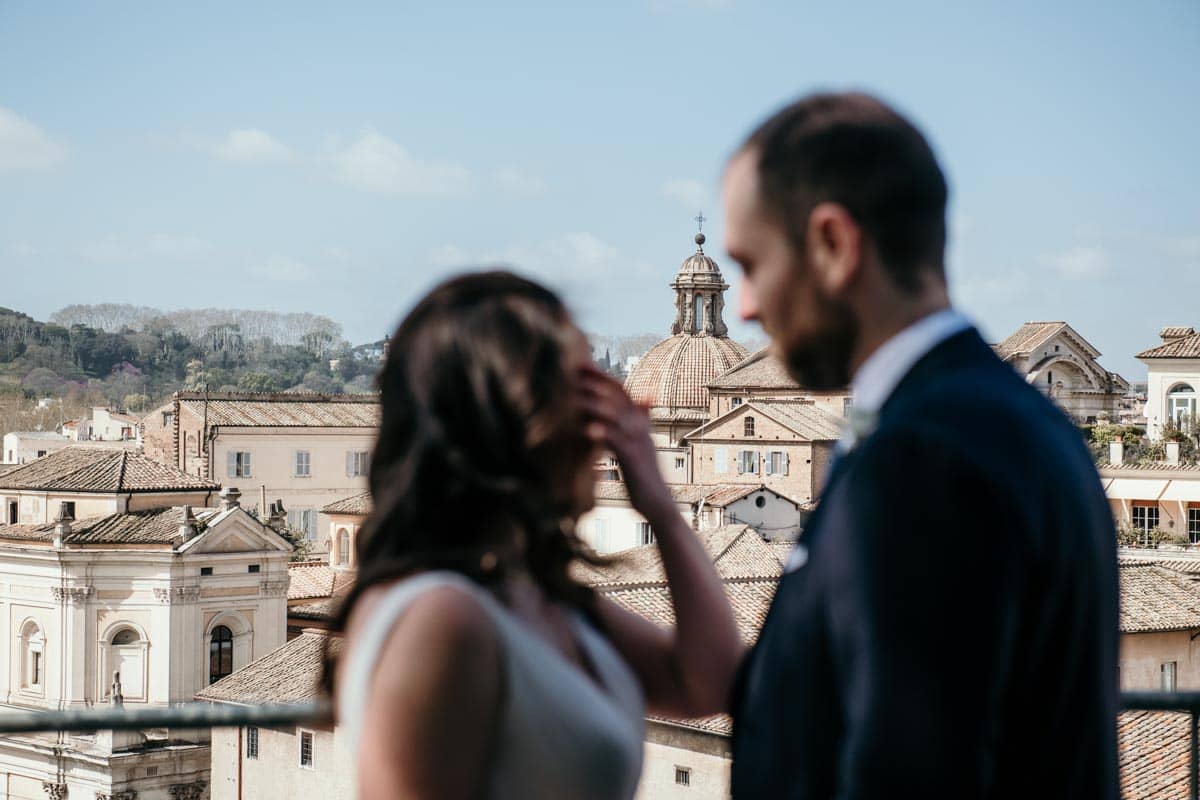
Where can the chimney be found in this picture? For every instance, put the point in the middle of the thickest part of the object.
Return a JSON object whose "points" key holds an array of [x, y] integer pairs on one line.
{"points": [[230, 497], [187, 529], [62, 525], [278, 518], [1116, 451], [1172, 452]]}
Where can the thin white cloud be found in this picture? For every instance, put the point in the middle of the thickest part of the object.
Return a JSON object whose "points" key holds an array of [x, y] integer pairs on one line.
{"points": [[156, 247], [518, 182], [24, 147], [251, 146], [22, 250], [1079, 263], [1183, 247], [375, 163], [693, 194], [283, 270], [575, 258]]}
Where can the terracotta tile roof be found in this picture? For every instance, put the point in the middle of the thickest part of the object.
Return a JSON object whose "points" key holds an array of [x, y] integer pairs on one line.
{"points": [[675, 372], [1153, 754], [1185, 562], [281, 410], [157, 527], [1156, 466], [101, 469], [761, 370], [1027, 338], [1176, 332], [1184, 347], [1154, 598], [738, 552], [289, 674], [359, 504], [312, 579], [316, 611], [807, 420], [750, 600]]}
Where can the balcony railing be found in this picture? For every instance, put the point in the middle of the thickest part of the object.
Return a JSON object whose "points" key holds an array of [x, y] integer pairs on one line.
{"points": [[209, 715]]}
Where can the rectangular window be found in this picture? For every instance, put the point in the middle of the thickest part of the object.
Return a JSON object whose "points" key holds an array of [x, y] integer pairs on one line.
{"points": [[35, 669], [1167, 671], [847, 404], [251, 742], [777, 463], [303, 464], [1194, 525], [303, 519], [683, 776], [734, 402], [12, 512], [645, 533], [356, 463], [206, 570], [254, 568], [68, 507], [600, 535], [720, 460], [41, 453], [748, 462], [1145, 517], [306, 749], [168, 418], [679, 462], [239, 464]]}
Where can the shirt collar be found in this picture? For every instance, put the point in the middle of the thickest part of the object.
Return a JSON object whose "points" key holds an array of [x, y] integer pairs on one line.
{"points": [[879, 375]]}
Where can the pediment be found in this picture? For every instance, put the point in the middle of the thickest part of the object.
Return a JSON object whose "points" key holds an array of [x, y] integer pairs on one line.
{"points": [[236, 532]]}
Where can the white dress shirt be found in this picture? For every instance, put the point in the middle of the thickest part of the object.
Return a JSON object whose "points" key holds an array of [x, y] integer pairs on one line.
{"points": [[883, 370]]}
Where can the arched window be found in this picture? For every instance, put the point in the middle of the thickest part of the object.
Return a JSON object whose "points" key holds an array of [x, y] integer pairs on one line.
{"points": [[343, 547], [748, 426], [1181, 404], [125, 636], [33, 657], [220, 653]]}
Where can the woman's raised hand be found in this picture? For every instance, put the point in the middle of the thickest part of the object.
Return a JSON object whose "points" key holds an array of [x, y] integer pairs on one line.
{"points": [[618, 424]]}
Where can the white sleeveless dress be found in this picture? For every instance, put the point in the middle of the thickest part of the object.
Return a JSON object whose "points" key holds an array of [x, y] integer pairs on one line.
{"points": [[561, 735]]}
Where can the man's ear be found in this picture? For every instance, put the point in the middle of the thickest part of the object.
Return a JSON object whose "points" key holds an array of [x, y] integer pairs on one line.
{"points": [[834, 244]]}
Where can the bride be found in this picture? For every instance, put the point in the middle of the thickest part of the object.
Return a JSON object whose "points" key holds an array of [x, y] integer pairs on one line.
{"points": [[475, 664]]}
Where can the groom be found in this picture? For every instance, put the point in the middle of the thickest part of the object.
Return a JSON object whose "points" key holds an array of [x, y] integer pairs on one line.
{"points": [[947, 625]]}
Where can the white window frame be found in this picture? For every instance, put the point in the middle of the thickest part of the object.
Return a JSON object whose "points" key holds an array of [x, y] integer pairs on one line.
{"points": [[238, 464], [747, 462], [683, 776], [357, 463], [32, 678], [1194, 525], [1150, 517], [1182, 401], [303, 519], [303, 464], [734, 402], [645, 533], [777, 462], [312, 749], [1168, 675]]}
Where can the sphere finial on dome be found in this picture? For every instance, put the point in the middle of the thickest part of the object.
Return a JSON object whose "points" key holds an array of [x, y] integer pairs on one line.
{"points": [[700, 220]]}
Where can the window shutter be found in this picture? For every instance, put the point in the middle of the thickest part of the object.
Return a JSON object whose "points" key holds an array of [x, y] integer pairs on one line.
{"points": [[785, 462], [720, 460], [231, 457], [741, 461], [754, 461], [350, 464], [246, 457]]}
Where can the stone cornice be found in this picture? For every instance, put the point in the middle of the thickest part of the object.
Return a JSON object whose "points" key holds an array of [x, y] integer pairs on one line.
{"points": [[72, 595], [273, 588]]}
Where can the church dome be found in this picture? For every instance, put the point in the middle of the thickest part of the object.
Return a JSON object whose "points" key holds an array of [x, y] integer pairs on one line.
{"points": [[676, 372], [673, 377]]}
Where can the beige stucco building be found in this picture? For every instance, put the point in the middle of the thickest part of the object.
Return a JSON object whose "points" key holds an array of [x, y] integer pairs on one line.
{"points": [[1162, 496], [1053, 357], [305, 451]]}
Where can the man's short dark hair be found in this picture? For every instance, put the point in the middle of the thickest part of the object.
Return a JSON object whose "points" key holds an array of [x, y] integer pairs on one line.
{"points": [[854, 150]]}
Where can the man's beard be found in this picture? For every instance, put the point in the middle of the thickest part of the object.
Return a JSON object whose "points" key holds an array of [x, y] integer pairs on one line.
{"points": [[821, 360]]}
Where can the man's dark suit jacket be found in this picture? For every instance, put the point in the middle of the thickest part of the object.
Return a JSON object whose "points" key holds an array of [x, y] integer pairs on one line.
{"points": [[953, 633]]}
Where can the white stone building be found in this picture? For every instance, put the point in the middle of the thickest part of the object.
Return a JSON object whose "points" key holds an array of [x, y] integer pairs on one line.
{"points": [[166, 600], [1173, 385], [21, 447], [1053, 357]]}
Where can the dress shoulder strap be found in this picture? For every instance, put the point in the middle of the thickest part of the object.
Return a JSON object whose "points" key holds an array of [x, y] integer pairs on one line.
{"points": [[354, 683]]}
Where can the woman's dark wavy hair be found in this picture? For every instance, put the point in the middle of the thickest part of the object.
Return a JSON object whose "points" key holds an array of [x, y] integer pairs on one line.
{"points": [[480, 444]]}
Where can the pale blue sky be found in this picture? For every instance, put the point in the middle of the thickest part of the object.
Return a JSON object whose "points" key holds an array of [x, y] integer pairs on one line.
{"points": [[339, 159]]}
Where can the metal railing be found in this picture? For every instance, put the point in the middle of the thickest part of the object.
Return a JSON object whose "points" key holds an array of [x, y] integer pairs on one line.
{"points": [[220, 715]]}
